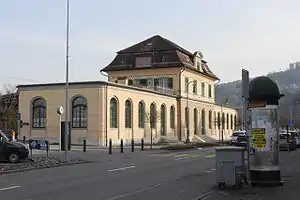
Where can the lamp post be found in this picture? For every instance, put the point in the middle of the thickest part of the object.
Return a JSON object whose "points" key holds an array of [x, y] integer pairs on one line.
{"points": [[187, 112], [67, 79]]}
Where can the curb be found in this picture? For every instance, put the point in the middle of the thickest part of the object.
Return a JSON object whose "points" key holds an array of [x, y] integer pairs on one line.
{"points": [[44, 167]]}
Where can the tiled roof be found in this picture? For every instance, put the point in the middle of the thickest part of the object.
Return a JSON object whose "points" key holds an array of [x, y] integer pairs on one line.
{"points": [[164, 53]]}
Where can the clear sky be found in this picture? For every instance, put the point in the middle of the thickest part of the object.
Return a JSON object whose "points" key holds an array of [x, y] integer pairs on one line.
{"points": [[259, 35]]}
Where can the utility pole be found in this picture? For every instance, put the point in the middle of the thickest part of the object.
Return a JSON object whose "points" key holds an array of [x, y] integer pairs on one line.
{"points": [[67, 82]]}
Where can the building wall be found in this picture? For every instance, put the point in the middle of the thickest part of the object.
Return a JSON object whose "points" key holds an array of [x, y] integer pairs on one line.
{"points": [[135, 97], [55, 97], [98, 97]]}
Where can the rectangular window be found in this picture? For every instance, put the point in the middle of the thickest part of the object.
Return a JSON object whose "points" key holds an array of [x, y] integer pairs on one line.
{"points": [[143, 61], [195, 87], [203, 89], [186, 84], [209, 91], [198, 66]]}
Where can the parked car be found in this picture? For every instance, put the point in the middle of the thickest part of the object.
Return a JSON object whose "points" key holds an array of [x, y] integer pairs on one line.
{"points": [[12, 151], [296, 135], [241, 140], [235, 135], [287, 142]]}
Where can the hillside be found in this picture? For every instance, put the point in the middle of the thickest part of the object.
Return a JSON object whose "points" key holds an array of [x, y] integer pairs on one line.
{"points": [[289, 85]]}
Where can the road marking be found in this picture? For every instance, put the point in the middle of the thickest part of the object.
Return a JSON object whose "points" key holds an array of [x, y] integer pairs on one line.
{"points": [[121, 169], [167, 155], [134, 192], [213, 169], [211, 156], [182, 158], [181, 155], [9, 188], [207, 171], [194, 156]]}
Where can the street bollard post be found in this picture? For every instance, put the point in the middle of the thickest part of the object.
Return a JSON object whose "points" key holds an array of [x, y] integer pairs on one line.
{"points": [[132, 145], [142, 144], [110, 147], [84, 145], [24, 139], [122, 146]]}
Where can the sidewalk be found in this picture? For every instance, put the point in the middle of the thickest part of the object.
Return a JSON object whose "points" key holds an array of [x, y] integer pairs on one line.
{"points": [[290, 172]]}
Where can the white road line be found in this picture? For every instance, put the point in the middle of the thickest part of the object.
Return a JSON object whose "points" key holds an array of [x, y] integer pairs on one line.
{"points": [[121, 169], [208, 171], [213, 169], [182, 158], [9, 188], [134, 192]]}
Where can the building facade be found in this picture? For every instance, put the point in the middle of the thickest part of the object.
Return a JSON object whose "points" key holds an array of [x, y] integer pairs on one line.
{"points": [[155, 89]]}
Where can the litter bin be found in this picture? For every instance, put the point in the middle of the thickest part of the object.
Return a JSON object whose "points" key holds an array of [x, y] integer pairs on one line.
{"points": [[230, 166]]}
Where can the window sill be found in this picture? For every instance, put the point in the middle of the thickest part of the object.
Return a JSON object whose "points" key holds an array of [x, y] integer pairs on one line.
{"points": [[38, 128], [77, 128]]}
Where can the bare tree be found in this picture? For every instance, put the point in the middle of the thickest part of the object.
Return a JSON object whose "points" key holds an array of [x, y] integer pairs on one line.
{"points": [[152, 120], [8, 107]]}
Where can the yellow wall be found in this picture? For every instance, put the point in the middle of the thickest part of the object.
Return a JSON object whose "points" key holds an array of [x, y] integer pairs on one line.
{"points": [[55, 97], [99, 115]]}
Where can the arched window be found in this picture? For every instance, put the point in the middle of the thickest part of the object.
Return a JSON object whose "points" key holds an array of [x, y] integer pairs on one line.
{"points": [[227, 121], [172, 117], [141, 114], [215, 120], [210, 119], [219, 121], [39, 113], [203, 122], [195, 121], [113, 113], [235, 122], [152, 115], [163, 119], [128, 114], [79, 112], [231, 122]]}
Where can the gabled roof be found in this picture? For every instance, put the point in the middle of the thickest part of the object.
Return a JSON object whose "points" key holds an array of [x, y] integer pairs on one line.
{"points": [[155, 43]]}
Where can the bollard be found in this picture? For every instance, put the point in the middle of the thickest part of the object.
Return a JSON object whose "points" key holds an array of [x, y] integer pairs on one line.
{"points": [[122, 146], [110, 146], [84, 145], [132, 145], [142, 144], [24, 139]]}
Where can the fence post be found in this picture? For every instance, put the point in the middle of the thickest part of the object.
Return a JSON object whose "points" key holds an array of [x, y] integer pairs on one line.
{"points": [[122, 146], [110, 147], [84, 145], [132, 145]]}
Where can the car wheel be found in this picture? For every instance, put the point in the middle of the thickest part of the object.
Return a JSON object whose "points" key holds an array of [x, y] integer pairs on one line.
{"points": [[13, 157]]}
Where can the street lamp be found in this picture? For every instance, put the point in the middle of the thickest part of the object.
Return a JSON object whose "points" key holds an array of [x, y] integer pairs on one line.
{"points": [[187, 112], [67, 80]]}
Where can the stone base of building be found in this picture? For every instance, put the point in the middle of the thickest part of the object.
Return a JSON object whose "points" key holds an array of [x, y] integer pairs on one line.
{"points": [[267, 176]]}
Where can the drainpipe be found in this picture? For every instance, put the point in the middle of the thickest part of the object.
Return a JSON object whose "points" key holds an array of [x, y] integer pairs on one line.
{"points": [[106, 103], [179, 100]]}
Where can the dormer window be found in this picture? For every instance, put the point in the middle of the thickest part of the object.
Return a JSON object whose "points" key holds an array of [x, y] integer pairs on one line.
{"points": [[143, 61], [198, 66]]}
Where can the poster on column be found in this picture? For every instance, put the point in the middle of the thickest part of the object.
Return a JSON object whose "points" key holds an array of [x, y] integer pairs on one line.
{"points": [[263, 128]]}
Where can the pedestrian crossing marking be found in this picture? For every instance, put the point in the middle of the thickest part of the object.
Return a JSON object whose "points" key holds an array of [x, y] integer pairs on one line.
{"points": [[168, 155], [211, 156]]}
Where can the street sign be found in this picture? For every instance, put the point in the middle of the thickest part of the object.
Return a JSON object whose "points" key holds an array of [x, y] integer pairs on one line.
{"points": [[39, 144], [291, 122], [19, 116]]}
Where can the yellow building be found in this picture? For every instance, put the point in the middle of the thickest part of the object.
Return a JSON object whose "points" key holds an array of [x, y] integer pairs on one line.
{"points": [[154, 85]]}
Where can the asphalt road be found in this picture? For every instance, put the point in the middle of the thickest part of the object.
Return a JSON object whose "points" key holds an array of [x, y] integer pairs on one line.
{"points": [[139, 175]]}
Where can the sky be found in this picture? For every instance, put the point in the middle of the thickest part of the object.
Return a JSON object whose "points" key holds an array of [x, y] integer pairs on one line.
{"points": [[261, 36]]}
